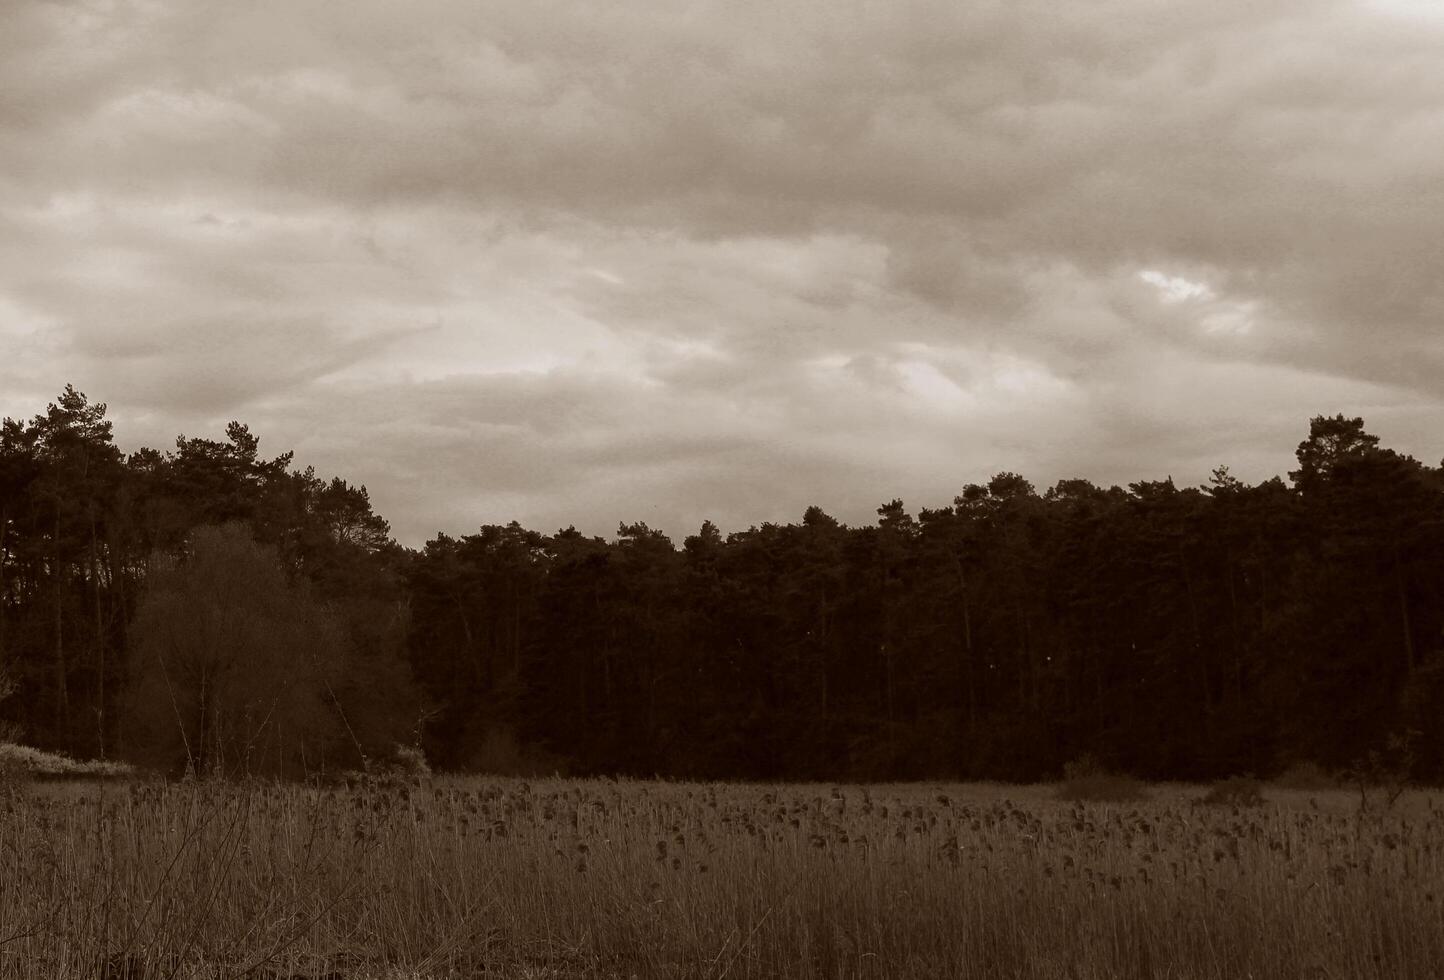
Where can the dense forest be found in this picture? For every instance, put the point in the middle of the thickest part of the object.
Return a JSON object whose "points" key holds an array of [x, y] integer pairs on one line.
{"points": [[207, 607]]}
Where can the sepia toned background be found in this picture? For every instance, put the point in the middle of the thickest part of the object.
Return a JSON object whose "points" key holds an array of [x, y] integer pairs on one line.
{"points": [[581, 263]]}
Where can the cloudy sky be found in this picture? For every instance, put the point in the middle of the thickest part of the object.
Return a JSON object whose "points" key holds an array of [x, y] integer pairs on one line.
{"points": [[582, 261]]}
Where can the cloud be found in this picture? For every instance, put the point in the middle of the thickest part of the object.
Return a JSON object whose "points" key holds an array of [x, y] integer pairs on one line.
{"points": [[564, 261]]}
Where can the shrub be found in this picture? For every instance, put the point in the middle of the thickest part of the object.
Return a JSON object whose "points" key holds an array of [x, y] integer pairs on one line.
{"points": [[22, 761], [1085, 780], [1383, 773], [404, 764], [1235, 791], [501, 754], [411, 761], [1305, 776]]}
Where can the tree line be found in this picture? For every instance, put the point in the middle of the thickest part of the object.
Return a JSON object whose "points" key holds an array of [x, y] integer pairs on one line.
{"points": [[210, 608]]}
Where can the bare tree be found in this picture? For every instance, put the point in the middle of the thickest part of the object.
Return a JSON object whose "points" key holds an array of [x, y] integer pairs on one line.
{"points": [[232, 665]]}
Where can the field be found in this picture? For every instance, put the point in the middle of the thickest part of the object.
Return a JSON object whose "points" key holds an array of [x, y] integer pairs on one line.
{"points": [[563, 879]]}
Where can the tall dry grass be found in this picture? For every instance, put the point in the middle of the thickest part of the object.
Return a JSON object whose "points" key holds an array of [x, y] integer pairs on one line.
{"points": [[504, 878]]}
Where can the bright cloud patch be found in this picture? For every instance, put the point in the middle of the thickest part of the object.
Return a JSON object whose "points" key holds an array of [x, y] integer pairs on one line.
{"points": [[1175, 289]]}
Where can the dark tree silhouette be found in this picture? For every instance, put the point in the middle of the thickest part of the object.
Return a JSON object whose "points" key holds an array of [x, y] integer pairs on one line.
{"points": [[1183, 632]]}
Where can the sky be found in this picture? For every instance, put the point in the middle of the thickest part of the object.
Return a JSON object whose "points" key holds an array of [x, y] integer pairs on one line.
{"points": [[579, 262]]}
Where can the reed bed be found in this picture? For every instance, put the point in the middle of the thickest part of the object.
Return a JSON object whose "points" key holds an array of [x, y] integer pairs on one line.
{"points": [[569, 879]]}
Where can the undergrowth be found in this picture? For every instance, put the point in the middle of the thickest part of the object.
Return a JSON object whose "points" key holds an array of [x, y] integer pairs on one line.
{"points": [[566, 879]]}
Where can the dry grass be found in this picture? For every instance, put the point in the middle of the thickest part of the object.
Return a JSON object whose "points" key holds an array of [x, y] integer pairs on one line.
{"points": [[503, 878], [22, 761]]}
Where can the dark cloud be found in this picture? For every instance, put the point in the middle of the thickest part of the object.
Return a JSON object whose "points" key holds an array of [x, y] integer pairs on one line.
{"points": [[567, 261]]}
